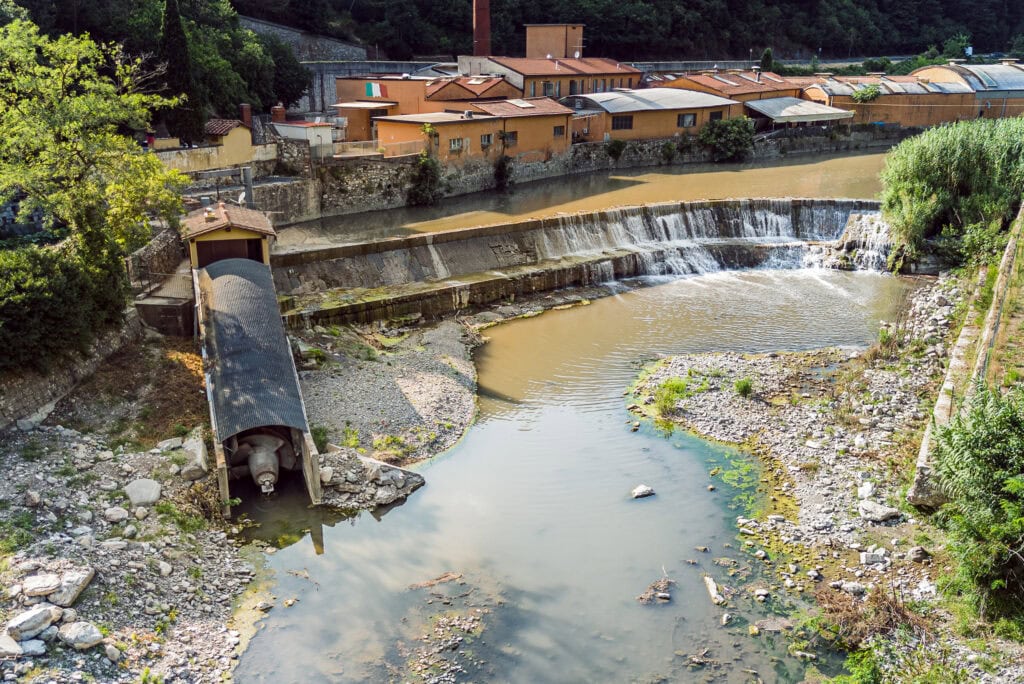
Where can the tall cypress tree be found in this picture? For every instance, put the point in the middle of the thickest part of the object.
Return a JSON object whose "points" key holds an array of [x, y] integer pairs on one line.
{"points": [[186, 120]]}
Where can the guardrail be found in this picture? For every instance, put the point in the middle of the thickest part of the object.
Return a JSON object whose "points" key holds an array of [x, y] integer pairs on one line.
{"points": [[373, 147]]}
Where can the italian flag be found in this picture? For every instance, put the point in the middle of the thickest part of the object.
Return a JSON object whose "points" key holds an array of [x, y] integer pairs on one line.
{"points": [[376, 90]]}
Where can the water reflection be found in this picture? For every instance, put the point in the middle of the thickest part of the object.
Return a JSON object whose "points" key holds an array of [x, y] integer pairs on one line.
{"points": [[851, 176], [532, 508]]}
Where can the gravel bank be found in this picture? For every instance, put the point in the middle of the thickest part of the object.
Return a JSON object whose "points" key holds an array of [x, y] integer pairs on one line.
{"points": [[837, 431]]}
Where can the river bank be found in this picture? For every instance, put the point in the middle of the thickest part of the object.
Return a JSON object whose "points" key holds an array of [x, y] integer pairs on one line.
{"points": [[836, 431]]}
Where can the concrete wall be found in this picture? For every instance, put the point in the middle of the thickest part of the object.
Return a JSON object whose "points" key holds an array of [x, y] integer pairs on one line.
{"points": [[306, 46], [23, 394], [195, 159]]}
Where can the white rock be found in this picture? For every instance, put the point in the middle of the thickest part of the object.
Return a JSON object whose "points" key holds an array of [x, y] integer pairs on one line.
{"points": [[113, 655], [854, 588], [143, 492], [165, 568], [33, 621], [31, 498], [326, 475], [72, 584], [80, 635], [866, 490], [867, 558], [40, 585], [641, 491], [115, 514], [876, 512], [9, 648], [198, 464], [168, 444]]}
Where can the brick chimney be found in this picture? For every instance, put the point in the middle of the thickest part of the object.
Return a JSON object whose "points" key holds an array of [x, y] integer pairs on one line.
{"points": [[246, 111], [277, 113], [481, 28]]}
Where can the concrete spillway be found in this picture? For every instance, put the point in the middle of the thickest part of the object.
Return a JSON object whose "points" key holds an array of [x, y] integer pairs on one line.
{"points": [[434, 274]]}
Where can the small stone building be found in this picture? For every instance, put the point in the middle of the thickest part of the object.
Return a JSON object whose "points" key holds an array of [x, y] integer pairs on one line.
{"points": [[227, 232]]}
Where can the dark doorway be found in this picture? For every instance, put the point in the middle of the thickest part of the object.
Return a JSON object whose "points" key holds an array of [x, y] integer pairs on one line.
{"points": [[210, 251]]}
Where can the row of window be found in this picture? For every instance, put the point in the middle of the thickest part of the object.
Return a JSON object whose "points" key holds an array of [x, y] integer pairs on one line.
{"points": [[511, 138], [624, 122], [579, 87]]}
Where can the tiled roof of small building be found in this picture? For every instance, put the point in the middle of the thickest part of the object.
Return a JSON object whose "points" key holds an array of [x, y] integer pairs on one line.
{"points": [[209, 219], [221, 126]]}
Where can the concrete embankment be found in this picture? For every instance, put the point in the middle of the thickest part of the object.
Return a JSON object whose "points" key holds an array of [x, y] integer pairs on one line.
{"points": [[436, 274]]}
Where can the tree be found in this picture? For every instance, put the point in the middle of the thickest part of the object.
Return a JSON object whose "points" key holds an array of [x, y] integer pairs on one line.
{"points": [[728, 139], [186, 119], [767, 60], [291, 79], [10, 11], [65, 103]]}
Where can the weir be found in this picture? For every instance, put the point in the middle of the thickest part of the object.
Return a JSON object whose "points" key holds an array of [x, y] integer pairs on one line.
{"points": [[439, 273]]}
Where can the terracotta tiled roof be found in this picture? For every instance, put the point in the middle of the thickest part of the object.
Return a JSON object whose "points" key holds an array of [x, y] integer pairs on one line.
{"points": [[530, 106], [739, 84], [477, 85], [222, 126], [221, 216], [597, 66]]}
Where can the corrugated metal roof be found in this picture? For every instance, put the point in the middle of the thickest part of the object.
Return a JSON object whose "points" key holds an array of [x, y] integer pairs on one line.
{"points": [[249, 361], [996, 76], [793, 109], [889, 85], [647, 99]]}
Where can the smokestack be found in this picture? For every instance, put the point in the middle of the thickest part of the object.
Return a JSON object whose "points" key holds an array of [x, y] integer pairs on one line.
{"points": [[481, 28], [246, 111]]}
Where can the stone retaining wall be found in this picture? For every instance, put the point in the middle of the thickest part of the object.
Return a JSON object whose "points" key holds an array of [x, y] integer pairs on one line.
{"points": [[349, 186], [161, 256], [27, 393]]}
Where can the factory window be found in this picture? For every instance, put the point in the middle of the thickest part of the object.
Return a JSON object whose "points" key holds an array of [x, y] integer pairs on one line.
{"points": [[549, 88], [559, 132], [486, 140], [622, 123], [510, 138], [686, 120], [455, 145], [715, 116]]}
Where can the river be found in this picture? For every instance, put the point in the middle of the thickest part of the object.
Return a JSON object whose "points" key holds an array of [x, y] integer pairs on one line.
{"points": [[532, 507], [849, 176]]}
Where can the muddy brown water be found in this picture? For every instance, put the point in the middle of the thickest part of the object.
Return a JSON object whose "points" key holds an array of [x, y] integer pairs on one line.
{"points": [[533, 506], [851, 176]]}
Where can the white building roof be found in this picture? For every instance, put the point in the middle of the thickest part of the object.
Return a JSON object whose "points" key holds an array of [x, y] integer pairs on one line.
{"points": [[647, 99], [793, 109]]}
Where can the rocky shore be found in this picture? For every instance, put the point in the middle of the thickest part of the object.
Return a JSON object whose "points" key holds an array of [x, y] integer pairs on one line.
{"points": [[836, 432]]}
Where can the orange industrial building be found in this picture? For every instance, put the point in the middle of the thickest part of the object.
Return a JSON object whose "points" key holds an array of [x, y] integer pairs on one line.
{"points": [[648, 113], [736, 84], [556, 78], [532, 129], [903, 100], [554, 41], [998, 88]]}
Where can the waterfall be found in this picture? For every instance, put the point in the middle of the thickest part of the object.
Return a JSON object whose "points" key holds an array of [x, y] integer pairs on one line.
{"points": [[673, 238]]}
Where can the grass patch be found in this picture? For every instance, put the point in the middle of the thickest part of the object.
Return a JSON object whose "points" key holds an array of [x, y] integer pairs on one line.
{"points": [[673, 390], [744, 387], [320, 436]]}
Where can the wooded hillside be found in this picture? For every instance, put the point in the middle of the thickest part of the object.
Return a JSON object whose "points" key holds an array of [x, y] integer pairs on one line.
{"points": [[665, 29]]}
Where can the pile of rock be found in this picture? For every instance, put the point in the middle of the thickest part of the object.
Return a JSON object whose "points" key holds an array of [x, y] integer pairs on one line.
{"points": [[354, 481]]}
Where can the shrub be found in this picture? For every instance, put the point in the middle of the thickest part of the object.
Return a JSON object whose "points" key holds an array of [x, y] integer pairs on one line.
{"points": [[744, 387], [674, 390], [502, 172], [615, 148], [979, 457], [867, 94], [728, 139], [319, 434], [426, 181], [959, 184], [53, 300], [668, 152]]}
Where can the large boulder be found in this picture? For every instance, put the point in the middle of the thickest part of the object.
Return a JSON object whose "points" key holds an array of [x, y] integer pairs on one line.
{"points": [[72, 583], [876, 512], [197, 465], [143, 492], [80, 635], [31, 622]]}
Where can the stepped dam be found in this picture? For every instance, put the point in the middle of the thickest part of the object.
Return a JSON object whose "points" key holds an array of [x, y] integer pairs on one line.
{"points": [[440, 273]]}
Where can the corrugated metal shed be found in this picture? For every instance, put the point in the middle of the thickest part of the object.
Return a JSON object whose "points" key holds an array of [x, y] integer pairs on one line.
{"points": [[995, 76], [889, 86], [251, 372], [793, 109], [648, 99]]}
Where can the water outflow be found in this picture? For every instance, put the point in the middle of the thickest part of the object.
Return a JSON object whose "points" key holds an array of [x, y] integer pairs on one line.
{"points": [[677, 238]]}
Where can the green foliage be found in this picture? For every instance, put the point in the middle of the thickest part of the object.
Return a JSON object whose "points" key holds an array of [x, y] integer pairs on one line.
{"points": [[673, 390], [669, 151], [319, 434], [425, 188], [350, 437], [185, 522], [9, 11], [186, 119], [868, 93], [863, 668], [502, 173], [961, 183], [744, 387], [767, 60], [955, 47], [979, 458], [615, 148], [728, 139], [291, 80], [877, 65]]}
